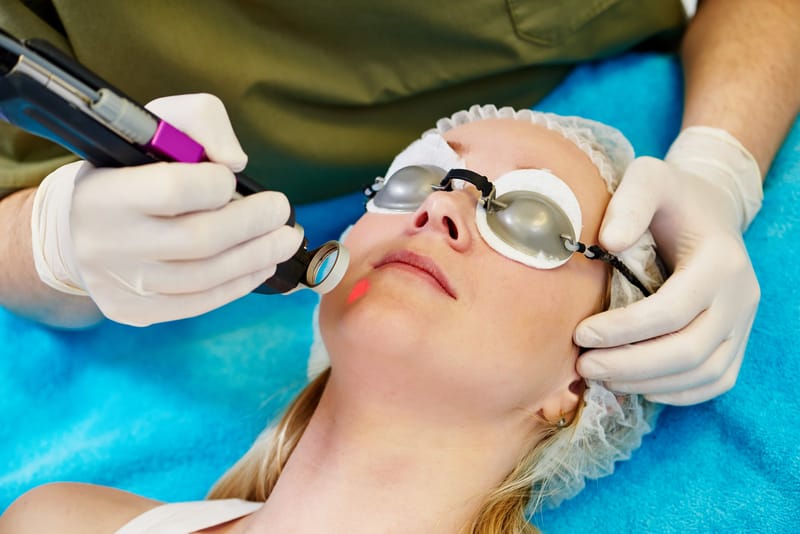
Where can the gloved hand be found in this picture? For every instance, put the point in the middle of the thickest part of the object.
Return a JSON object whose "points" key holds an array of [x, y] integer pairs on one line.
{"points": [[162, 241], [684, 344]]}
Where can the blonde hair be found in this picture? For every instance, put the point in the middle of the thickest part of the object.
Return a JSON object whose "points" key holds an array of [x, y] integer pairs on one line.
{"points": [[606, 428]]}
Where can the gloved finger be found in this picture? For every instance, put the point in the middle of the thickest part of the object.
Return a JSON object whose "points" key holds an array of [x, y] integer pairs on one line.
{"points": [[162, 308], [703, 393], [714, 268], [258, 254], [663, 356], [709, 371], [634, 204], [158, 189], [725, 382], [670, 309], [203, 117], [207, 233]]}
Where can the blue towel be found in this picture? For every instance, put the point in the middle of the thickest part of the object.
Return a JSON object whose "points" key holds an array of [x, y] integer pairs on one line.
{"points": [[163, 411]]}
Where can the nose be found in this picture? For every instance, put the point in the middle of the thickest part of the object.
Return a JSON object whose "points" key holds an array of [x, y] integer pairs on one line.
{"points": [[447, 214]]}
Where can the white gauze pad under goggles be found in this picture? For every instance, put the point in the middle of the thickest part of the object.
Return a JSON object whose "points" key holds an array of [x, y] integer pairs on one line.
{"points": [[528, 215]]}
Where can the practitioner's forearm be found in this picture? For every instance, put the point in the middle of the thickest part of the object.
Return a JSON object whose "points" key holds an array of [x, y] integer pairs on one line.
{"points": [[741, 69], [21, 290]]}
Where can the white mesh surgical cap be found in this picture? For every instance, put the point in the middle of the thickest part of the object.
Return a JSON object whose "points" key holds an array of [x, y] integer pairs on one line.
{"points": [[610, 426]]}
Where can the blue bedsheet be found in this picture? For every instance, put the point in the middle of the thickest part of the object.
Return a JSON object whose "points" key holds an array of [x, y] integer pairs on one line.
{"points": [[163, 411]]}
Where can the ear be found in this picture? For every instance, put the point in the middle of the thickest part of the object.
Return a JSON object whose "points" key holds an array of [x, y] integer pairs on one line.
{"points": [[562, 402]]}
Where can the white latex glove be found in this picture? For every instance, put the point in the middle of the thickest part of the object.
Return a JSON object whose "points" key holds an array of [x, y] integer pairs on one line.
{"points": [[685, 343], [162, 241]]}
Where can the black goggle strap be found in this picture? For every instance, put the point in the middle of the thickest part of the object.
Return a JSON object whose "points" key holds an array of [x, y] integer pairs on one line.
{"points": [[370, 190], [595, 252], [481, 183]]}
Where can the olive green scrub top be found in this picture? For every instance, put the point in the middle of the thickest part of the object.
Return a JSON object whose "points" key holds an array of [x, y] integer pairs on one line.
{"points": [[322, 94]]}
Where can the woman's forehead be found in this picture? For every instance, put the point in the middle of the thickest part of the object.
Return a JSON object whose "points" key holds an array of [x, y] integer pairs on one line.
{"points": [[496, 146], [519, 144]]}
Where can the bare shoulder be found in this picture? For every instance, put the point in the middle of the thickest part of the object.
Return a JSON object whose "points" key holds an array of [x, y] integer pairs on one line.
{"points": [[71, 507]]}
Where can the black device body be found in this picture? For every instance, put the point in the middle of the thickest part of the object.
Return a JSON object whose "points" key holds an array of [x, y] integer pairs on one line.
{"points": [[38, 109]]}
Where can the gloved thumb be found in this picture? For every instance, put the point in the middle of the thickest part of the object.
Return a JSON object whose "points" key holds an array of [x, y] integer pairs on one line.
{"points": [[633, 205], [203, 118]]}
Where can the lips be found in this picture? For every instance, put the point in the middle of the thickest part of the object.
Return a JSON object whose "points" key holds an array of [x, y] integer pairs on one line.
{"points": [[421, 263]]}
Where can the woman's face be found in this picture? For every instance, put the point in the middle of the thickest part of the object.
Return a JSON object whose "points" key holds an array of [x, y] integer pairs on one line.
{"points": [[490, 334]]}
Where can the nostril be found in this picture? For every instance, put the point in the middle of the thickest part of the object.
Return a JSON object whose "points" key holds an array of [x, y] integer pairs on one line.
{"points": [[451, 227], [422, 220]]}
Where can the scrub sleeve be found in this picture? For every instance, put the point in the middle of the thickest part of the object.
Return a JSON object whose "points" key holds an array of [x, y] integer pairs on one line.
{"points": [[322, 94]]}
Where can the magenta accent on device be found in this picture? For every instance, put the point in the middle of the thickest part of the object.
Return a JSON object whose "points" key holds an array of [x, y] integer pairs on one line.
{"points": [[176, 145]]}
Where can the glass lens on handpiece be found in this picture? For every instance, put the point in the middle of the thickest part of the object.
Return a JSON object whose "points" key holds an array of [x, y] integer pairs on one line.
{"points": [[327, 267], [323, 269]]}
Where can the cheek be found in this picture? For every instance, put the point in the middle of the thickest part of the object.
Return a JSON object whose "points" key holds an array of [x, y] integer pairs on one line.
{"points": [[359, 290], [352, 306], [540, 308], [362, 234], [364, 242], [590, 286], [372, 231], [593, 206]]}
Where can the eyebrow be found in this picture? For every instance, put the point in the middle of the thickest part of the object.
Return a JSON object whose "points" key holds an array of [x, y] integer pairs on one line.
{"points": [[519, 165], [458, 147]]}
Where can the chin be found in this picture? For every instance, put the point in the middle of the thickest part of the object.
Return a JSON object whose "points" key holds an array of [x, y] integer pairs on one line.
{"points": [[377, 329]]}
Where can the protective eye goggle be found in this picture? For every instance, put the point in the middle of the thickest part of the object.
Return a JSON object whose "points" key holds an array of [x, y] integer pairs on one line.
{"points": [[528, 215]]}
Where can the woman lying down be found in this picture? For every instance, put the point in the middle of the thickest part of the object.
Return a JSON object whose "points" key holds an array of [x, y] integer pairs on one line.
{"points": [[451, 403]]}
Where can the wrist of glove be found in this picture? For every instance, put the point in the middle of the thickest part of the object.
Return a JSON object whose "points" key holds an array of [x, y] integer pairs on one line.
{"points": [[51, 237], [717, 157]]}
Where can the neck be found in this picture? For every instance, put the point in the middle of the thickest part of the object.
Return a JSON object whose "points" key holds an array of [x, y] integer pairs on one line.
{"points": [[383, 466]]}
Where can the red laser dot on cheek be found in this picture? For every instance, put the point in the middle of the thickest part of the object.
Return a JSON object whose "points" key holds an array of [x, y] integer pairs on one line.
{"points": [[358, 291]]}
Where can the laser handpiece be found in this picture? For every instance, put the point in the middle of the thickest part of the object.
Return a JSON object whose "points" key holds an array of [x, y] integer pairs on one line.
{"points": [[47, 93]]}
